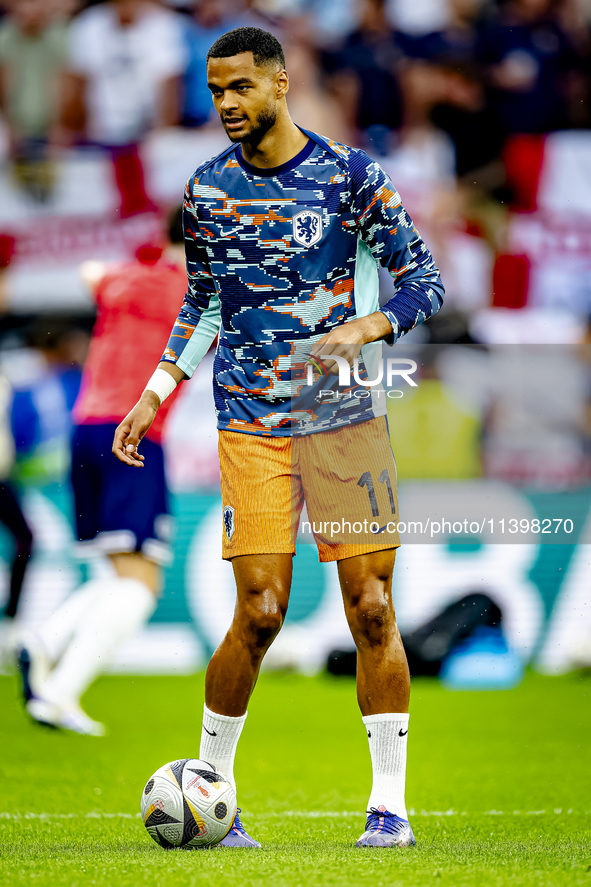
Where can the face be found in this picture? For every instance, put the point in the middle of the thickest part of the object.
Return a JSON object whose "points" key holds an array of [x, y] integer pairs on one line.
{"points": [[245, 95]]}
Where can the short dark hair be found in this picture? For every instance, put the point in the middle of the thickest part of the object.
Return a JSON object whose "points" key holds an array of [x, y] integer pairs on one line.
{"points": [[264, 46]]}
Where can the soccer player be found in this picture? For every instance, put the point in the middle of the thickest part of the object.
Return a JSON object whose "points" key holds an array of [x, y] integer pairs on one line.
{"points": [[119, 514], [283, 234]]}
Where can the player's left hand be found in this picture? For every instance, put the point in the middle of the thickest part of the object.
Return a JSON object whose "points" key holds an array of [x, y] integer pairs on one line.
{"points": [[347, 340]]}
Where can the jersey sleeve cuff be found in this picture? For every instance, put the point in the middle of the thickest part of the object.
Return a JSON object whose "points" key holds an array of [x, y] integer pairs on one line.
{"points": [[393, 337], [184, 365]]}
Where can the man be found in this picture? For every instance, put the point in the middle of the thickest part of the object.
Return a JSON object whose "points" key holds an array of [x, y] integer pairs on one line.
{"points": [[33, 52], [119, 514], [283, 231], [126, 58]]}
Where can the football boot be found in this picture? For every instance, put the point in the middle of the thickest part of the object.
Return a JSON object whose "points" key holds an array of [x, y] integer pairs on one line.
{"points": [[384, 829], [71, 718], [237, 836], [33, 665]]}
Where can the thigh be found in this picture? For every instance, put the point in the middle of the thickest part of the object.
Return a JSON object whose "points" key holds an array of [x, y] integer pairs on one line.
{"points": [[261, 498], [349, 482], [134, 565]]}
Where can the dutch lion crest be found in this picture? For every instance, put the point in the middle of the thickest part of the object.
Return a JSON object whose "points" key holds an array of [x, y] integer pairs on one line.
{"points": [[307, 227], [229, 521]]}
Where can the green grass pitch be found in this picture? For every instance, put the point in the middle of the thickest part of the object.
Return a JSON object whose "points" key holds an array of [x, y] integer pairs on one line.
{"points": [[499, 784]]}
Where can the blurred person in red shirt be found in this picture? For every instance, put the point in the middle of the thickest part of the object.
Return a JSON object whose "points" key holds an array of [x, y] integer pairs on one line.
{"points": [[121, 514]]}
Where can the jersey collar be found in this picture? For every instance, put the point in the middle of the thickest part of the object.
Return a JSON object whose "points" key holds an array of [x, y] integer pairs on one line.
{"points": [[276, 170]]}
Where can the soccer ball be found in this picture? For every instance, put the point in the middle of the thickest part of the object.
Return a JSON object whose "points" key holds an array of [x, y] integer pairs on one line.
{"points": [[188, 803]]}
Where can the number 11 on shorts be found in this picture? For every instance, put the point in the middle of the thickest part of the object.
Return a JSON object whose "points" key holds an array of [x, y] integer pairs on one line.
{"points": [[366, 481]]}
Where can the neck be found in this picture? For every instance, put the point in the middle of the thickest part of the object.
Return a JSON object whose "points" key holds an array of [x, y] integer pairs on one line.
{"points": [[282, 142]]}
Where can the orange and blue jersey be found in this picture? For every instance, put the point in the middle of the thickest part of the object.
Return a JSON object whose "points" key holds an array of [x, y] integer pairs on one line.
{"points": [[276, 259]]}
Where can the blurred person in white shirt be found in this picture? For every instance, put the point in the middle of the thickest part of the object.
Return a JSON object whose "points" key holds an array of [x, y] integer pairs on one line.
{"points": [[126, 58]]}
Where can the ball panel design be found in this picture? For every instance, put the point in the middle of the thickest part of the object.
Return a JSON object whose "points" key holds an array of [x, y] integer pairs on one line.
{"points": [[196, 768], [214, 777], [156, 816], [172, 833], [160, 839], [153, 832], [195, 826], [163, 804], [177, 768]]}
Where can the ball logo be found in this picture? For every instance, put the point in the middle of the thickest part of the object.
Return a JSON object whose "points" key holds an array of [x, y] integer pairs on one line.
{"points": [[197, 783], [307, 227], [229, 521]]}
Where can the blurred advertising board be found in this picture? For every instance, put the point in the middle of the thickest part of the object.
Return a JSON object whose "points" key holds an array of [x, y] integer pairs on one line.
{"points": [[100, 205], [542, 589], [493, 462]]}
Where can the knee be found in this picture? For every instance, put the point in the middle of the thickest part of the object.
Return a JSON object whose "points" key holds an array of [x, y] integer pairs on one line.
{"points": [[262, 618], [371, 616]]}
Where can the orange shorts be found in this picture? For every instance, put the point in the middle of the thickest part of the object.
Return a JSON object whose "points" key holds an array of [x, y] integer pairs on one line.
{"points": [[347, 478]]}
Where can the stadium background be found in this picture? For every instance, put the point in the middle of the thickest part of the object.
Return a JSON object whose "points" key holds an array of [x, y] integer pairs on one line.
{"points": [[479, 111]]}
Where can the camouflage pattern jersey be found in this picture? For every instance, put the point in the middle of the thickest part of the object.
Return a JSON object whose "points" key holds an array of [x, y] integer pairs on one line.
{"points": [[276, 259]]}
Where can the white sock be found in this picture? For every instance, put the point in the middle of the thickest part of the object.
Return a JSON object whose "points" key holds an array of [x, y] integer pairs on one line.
{"points": [[219, 738], [56, 631], [387, 735], [121, 608]]}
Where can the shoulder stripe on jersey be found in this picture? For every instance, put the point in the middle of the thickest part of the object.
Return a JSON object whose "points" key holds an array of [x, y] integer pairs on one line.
{"points": [[339, 152]]}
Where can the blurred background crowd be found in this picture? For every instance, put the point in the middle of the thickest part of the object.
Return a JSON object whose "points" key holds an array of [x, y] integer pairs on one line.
{"points": [[480, 112]]}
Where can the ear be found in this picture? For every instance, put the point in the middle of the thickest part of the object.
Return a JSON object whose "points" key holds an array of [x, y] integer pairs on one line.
{"points": [[281, 83]]}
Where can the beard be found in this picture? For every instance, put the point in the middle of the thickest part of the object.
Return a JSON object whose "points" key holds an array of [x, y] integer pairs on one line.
{"points": [[263, 123]]}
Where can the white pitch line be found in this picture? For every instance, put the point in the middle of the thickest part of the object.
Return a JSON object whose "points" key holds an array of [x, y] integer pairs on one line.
{"points": [[303, 814], [94, 814], [316, 814]]}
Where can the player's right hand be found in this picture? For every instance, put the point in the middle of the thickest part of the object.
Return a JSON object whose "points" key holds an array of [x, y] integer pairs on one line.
{"points": [[130, 432]]}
